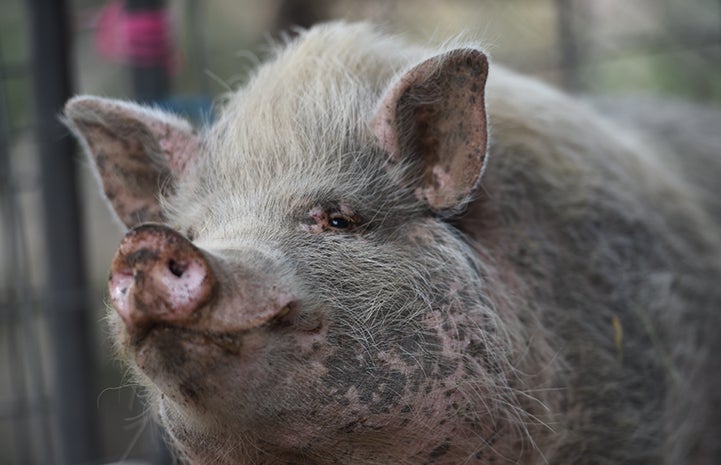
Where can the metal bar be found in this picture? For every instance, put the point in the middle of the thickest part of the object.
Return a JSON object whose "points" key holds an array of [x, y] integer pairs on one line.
{"points": [[16, 407], [150, 80], [31, 422], [569, 53], [14, 71], [197, 33], [66, 280]]}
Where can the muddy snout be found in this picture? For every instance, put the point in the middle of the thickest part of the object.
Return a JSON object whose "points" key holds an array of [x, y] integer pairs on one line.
{"points": [[159, 277]]}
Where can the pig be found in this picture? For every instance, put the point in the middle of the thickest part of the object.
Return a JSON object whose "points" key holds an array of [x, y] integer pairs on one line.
{"points": [[385, 253]]}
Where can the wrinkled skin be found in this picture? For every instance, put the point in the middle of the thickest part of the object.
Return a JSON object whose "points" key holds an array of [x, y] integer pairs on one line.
{"points": [[346, 268]]}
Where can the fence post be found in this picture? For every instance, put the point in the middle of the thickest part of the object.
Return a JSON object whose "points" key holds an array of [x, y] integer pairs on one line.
{"points": [[570, 55], [72, 381], [149, 52]]}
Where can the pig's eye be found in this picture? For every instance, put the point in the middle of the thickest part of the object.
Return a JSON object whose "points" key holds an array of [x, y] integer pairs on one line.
{"points": [[340, 218], [336, 217], [340, 222]]}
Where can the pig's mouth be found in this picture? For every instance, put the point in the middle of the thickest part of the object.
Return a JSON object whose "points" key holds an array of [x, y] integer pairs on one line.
{"points": [[230, 342]]}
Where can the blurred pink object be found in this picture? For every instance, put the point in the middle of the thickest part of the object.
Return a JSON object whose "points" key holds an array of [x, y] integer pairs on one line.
{"points": [[138, 38]]}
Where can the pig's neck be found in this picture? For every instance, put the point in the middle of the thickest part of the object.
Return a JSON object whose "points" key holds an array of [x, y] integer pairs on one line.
{"points": [[454, 414], [454, 439]]}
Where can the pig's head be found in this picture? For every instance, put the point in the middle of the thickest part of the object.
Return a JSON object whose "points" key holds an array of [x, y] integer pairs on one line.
{"points": [[289, 288]]}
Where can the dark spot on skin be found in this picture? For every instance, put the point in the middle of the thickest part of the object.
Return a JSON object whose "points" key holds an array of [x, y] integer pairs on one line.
{"points": [[350, 427], [476, 349], [447, 368], [142, 256], [446, 325], [101, 159], [476, 66], [416, 379], [390, 392], [461, 331], [378, 387], [440, 450], [417, 343], [469, 369], [189, 392], [470, 421], [138, 276]]}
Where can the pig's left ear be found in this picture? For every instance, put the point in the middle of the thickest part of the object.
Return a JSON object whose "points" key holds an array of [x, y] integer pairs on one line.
{"points": [[139, 153], [434, 118]]}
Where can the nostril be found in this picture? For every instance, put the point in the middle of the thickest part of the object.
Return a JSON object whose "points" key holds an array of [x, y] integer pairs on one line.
{"points": [[177, 268]]}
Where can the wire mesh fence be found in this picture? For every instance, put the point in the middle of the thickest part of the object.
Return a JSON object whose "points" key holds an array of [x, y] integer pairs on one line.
{"points": [[663, 48]]}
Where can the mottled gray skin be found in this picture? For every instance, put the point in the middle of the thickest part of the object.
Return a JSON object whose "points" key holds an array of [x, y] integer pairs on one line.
{"points": [[410, 268]]}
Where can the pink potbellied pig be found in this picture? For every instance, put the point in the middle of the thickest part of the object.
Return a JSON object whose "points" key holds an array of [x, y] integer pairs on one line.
{"points": [[381, 253]]}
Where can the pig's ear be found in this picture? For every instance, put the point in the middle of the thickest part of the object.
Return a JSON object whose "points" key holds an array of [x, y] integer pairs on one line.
{"points": [[434, 118], [138, 152]]}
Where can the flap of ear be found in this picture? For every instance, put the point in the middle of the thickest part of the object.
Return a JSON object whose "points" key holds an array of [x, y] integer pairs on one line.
{"points": [[138, 152], [434, 117]]}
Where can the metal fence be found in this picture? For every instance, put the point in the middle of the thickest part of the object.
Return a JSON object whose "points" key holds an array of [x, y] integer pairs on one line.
{"points": [[51, 378], [46, 331]]}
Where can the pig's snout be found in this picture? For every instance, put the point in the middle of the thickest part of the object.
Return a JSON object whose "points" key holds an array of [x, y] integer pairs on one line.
{"points": [[158, 276]]}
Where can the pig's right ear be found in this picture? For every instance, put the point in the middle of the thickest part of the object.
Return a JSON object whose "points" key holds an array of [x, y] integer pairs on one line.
{"points": [[139, 153], [433, 118]]}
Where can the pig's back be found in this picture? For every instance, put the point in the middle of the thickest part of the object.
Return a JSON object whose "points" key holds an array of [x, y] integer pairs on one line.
{"points": [[688, 134]]}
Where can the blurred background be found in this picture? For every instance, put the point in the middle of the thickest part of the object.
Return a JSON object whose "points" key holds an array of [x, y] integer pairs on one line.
{"points": [[63, 399]]}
